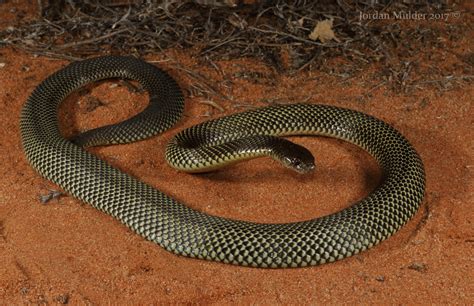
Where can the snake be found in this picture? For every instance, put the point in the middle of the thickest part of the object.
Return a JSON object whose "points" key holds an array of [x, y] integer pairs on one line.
{"points": [[205, 147]]}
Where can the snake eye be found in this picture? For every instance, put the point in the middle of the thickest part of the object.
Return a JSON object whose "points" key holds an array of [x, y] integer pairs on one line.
{"points": [[298, 164]]}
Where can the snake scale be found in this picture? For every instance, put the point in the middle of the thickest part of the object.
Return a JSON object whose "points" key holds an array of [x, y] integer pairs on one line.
{"points": [[188, 232]]}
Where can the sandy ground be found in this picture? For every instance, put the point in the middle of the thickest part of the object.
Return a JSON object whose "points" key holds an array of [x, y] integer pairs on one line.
{"points": [[66, 251]]}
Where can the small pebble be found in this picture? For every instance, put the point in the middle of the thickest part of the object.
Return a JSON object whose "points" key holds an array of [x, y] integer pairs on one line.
{"points": [[24, 290], [52, 194], [62, 298], [418, 266], [380, 278]]}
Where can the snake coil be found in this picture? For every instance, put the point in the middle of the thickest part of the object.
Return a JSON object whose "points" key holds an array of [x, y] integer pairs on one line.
{"points": [[188, 232]]}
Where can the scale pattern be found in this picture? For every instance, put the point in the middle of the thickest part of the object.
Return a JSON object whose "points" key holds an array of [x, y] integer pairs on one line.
{"points": [[191, 233]]}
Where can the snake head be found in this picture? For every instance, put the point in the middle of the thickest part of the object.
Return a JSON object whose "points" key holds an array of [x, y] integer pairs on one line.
{"points": [[295, 157]]}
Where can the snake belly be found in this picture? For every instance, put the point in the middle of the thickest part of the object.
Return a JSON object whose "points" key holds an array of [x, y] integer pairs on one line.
{"points": [[189, 232]]}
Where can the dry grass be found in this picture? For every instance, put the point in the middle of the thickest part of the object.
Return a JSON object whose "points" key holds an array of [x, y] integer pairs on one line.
{"points": [[276, 33]]}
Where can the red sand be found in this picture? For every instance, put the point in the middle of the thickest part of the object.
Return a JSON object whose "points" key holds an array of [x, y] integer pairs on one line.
{"points": [[67, 251]]}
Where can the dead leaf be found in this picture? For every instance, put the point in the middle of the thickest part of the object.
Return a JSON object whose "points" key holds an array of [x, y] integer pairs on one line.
{"points": [[323, 31], [301, 21]]}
